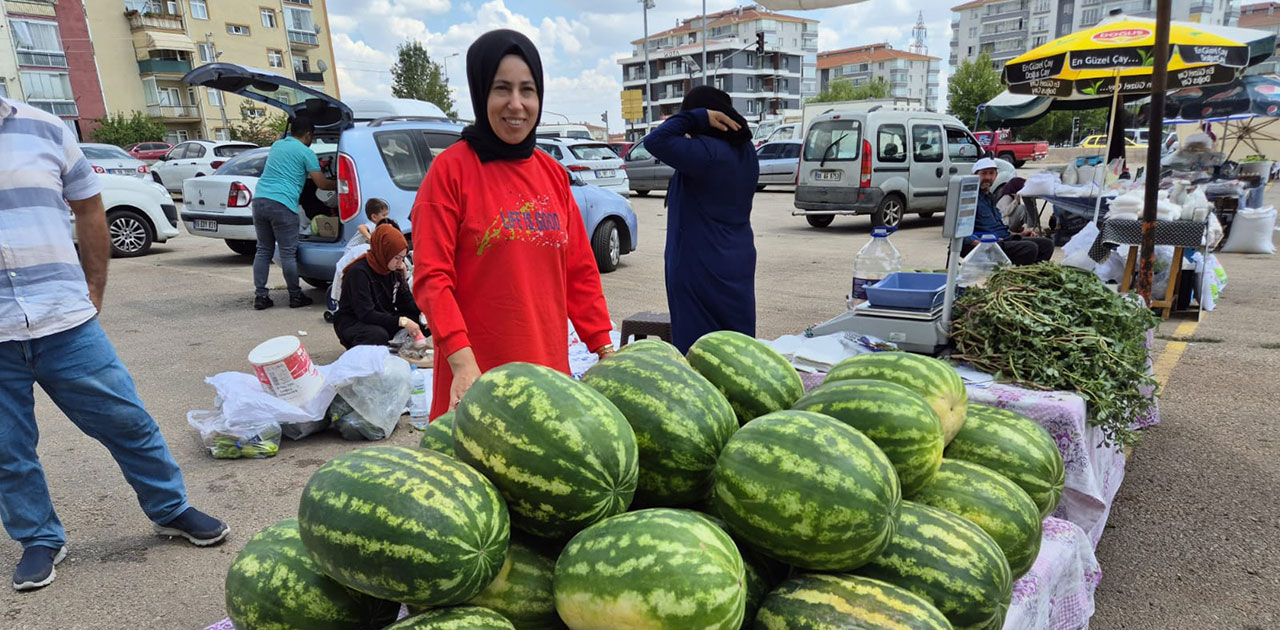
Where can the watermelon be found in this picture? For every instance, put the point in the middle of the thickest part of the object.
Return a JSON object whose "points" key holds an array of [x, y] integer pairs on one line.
{"points": [[522, 591], [899, 421], [819, 601], [933, 379], [949, 561], [404, 524], [562, 455], [754, 377], [997, 505], [808, 490], [657, 569], [458, 618], [275, 585], [763, 573], [1016, 447], [653, 345], [681, 422], [438, 435]]}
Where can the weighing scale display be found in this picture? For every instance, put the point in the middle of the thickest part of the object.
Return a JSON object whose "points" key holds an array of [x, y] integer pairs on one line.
{"points": [[962, 206]]}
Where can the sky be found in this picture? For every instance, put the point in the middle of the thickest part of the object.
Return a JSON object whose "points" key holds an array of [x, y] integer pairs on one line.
{"points": [[580, 41]]}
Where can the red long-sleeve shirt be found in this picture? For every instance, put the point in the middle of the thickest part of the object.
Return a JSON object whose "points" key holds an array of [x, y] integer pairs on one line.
{"points": [[501, 261]]}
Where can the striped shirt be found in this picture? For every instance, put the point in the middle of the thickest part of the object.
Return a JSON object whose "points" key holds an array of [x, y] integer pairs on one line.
{"points": [[42, 286]]}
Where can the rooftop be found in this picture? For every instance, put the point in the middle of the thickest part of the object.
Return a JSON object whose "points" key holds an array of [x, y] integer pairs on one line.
{"points": [[972, 5], [730, 16], [1260, 14], [870, 53]]}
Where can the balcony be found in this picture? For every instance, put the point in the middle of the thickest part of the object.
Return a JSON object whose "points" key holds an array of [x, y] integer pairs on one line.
{"points": [[174, 112], [163, 66], [158, 21], [308, 77], [303, 38]]}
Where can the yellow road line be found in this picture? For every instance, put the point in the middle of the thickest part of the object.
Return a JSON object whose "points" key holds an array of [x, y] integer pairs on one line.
{"points": [[1173, 352]]}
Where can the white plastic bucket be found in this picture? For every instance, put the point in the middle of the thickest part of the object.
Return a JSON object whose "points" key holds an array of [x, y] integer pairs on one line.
{"points": [[285, 369]]}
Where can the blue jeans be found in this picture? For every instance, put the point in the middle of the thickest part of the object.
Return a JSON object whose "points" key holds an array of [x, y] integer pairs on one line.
{"points": [[276, 225], [80, 371]]}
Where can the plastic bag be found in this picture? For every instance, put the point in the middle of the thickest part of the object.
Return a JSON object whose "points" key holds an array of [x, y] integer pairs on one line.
{"points": [[409, 351], [370, 406], [226, 439], [1112, 269], [1071, 174], [1042, 184], [1076, 252], [1251, 232]]}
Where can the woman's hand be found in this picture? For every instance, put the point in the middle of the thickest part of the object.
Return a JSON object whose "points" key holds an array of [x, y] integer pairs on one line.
{"points": [[408, 324], [465, 372], [605, 350], [722, 121]]}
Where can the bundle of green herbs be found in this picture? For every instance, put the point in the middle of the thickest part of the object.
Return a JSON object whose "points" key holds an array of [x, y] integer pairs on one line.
{"points": [[1050, 326]]}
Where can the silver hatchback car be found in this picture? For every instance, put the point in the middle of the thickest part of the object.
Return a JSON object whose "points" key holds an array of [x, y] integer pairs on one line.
{"points": [[594, 162]]}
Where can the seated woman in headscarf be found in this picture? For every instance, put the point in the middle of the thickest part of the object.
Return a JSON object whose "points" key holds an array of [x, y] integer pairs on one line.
{"points": [[501, 257], [375, 302], [710, 253]]}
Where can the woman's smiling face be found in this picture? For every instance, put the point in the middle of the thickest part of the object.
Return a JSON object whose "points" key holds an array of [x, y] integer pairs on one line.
{"points": [[513, 101]]}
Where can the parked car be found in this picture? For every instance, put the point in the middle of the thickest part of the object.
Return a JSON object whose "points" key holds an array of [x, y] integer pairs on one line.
{"points": [[779, 163], [645, 172], [785, 131], [1099, 141], [148, 151], [195, 158], [109, 159], [1000, 144], [621, 148], [386, 158], [593, 161], [139, 213]]}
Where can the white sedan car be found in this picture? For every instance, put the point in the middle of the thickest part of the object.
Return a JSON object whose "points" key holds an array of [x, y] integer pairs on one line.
{"points": [[195, 158], [109, 159], [594, 162], [139, 213]]}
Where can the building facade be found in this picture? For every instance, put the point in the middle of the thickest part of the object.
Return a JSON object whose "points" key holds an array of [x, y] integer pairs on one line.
{"points": [[46, 60], [144, 47], [909, 75], [1008, 28], [761, 85], [1263, 16]]}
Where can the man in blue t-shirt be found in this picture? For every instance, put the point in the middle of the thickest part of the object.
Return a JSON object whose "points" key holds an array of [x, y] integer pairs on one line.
{"points": [[275, 209], [1022, 249]]}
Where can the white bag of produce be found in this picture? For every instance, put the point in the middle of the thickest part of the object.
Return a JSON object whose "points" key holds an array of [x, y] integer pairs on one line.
{"points": [[1252, 231], [1076, 252], [1040, 184], [370, 406], [236, 439], [1112, 269]]}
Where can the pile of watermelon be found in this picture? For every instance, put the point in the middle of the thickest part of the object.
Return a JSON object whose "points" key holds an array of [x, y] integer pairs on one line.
{"points": [[671, 492]]}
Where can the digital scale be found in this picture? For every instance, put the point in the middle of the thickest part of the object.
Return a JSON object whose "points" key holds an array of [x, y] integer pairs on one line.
{"points": [[923, 331]]}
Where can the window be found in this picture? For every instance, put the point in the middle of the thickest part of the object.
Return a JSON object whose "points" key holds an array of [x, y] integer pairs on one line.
{"points": [[206, 52], [891, 143], [751, 84], [275, 59], [402, 156], [592, 152], [973, 32], [768, 151], [833, 140], [1089, 17], [926, 143], [231, 150], [719, 83], [246, 164], [199, 10], [1039, 40], [254, 112], [237, 29], [38, 43], [105, 152], [439, 141], [175, 136], [50, 91], [221, 134], [268, 18], [301, 28], [301, 64], [4, 88], [194, 150], [215, 97], [961, 146], [790, 151]]}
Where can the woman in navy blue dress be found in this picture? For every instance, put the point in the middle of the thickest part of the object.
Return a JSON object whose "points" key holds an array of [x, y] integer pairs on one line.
{"points": [[711, 253]]}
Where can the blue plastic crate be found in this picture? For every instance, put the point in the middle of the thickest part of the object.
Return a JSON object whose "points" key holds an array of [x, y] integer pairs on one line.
{"points": [[909, 290]]}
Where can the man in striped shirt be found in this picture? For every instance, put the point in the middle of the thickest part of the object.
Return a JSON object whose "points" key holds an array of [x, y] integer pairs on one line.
{"points": [[49, 334]]}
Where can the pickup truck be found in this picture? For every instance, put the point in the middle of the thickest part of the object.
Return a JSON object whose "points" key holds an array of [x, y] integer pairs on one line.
{"points": [[1017, 153]]}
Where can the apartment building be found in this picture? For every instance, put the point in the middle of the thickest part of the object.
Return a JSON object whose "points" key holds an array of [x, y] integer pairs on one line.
{"points": [[144, 47], [1264, 16], [761, 85], [1008, 28], [910, 75], [46, 60]]}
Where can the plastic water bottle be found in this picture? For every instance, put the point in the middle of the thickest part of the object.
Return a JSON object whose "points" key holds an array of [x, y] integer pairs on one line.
{"points": [[418, 409], [981, 262], [877, 259]]}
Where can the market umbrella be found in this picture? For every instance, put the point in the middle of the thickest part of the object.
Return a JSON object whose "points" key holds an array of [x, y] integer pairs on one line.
{"points": [[1257, 95]]}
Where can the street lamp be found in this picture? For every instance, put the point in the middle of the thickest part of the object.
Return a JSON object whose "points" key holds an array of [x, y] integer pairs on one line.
{"points": [[566, 118], [648, 4], [445, 63]]}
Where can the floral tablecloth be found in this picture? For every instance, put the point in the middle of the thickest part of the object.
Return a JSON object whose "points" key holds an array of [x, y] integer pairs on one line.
{"points": [[1057, 593]]}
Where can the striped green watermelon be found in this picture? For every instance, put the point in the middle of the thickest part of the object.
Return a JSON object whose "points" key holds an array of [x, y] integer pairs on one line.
{"points": [[808, 490], [899, 421], [458, 618], [754, 377], [438, 436], [275, 585], [522, 591], [562, 455], [1016, 447], [763, 573], [933, 379], [997, 505], [657, 569], [818, 601], [403, 524], [949, 561], [681, 422], [653, 345]]}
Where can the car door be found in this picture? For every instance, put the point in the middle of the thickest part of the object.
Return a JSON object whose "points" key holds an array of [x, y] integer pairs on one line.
{"points": [[642, 168], [928, 183], [767, 156], [962, 151], [168, 169], [191, 161], [789, 156]]}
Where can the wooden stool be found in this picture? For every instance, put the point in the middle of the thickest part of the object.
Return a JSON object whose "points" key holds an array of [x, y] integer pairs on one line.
{"points": [[647, 324], [1165, 304]]}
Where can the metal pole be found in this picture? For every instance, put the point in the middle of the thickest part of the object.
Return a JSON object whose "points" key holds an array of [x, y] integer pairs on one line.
{"points": [[704, 42], [1158, 75], [222, 101], [648, 4]]}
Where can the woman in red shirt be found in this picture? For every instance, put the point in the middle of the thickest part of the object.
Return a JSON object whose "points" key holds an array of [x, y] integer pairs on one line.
{"points": [[501, 256]]}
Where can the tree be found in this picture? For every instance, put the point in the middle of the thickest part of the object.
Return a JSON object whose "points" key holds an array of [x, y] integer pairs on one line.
{"points": [[122, 130], [1055, 127], [416, 76], [845, 90], [975, 82], [257, 127]]}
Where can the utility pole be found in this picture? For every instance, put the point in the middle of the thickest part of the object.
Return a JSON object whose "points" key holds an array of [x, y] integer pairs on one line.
{"points": [[704, 42], [648, 4], [222, 98]]}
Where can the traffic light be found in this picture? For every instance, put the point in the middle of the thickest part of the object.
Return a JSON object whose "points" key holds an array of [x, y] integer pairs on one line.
{"points": [[760, 43], [1075, 124]]}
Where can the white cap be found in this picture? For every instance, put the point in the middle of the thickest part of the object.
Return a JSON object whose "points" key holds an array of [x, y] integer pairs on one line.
{"points": [[984, 163]]}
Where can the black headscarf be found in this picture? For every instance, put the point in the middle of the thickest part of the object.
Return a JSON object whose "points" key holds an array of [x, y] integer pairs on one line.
{"points": [[482, 64], [707, 97]]}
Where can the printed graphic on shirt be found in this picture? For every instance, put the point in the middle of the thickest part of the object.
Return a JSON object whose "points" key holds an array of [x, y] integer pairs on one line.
{"points": [[534, 222]]}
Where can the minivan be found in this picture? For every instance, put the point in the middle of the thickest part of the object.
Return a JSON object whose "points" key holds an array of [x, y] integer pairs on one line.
{"points": [[881, 162]]}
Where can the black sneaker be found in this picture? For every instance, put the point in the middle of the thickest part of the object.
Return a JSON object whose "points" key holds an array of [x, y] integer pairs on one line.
{"points": [[262, 302], [196, 526], [300, 300], [35, 569]]}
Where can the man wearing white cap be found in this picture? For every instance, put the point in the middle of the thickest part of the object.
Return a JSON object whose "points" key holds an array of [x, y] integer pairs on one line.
{"points": [[1022, 249]]}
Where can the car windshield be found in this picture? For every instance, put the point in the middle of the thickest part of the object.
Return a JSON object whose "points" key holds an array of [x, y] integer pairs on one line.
{"points": [[593, 152], [833, 140], [99, 152], [248, 164], [232, 150]]}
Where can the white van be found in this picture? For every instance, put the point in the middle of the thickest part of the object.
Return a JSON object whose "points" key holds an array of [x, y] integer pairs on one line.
{"points": [[882, 162], [579, 132]]}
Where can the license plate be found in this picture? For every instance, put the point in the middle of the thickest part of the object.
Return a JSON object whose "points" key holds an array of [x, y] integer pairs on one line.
{"points": [[605, 173], [827, 176], [123, 171], [205, 225]]}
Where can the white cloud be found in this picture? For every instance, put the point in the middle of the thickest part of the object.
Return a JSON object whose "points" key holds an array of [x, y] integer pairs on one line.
{"points": [[428, 6]]}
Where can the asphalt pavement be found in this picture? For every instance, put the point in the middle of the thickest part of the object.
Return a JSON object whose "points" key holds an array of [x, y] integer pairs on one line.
{"points": [[1193, 536]]}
